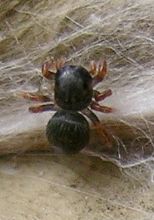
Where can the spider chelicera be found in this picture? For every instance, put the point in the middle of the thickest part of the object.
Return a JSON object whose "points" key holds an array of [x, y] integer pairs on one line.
{"points": [[74, 92]]}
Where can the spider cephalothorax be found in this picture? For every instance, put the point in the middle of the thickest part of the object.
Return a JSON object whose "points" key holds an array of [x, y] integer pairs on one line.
{"points": [[73, 88]]}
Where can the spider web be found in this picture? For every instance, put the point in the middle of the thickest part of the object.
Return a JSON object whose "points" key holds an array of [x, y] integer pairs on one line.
{"points": [[122, 32]]}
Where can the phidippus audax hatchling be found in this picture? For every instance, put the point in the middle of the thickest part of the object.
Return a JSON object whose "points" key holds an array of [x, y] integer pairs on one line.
{"points": [[74, 97]]}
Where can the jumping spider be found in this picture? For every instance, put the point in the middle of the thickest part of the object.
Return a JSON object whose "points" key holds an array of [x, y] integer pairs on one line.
{"points": [[68, 129]]}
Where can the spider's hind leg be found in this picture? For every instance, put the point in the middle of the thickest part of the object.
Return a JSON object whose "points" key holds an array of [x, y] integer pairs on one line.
{"points": [[101, 130]]}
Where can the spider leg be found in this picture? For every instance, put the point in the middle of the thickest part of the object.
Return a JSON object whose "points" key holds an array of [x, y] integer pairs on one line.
{"points": [[98, 70], [60, 62], [99, 96], [50, 68], [93, 68], [43, 107], [97, 125], [34, 96], [101, 108]]}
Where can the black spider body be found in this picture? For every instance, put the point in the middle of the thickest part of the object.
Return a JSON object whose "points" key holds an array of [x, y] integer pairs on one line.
{"points": [[73, 88], [68, 130], [73, 92]]}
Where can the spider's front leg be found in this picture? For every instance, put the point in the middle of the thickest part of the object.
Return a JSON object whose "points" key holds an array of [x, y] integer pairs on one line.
{"points": [[50, 68], [98, 71]]}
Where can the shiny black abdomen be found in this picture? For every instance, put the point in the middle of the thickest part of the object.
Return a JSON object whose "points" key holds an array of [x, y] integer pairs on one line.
{"points": [[69, 131], [73, 88]]}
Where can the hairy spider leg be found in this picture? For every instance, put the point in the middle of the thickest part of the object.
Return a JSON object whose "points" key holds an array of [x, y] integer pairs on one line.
{"points": [[97, 125], [100, 108], [93, 68], [98, 71], [34, 96], [50, 68], [43, 107], [99, 96]]}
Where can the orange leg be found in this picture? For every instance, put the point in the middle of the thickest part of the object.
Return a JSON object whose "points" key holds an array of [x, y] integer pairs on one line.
{"points": [[34, 96], [99, 96], [50, 68], [98, 70], [100, 108], [93, 68], [98, 126], [43, 107]]}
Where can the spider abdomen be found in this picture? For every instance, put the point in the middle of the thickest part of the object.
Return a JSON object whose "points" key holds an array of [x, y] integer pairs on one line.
{"points": [[69, 131]]}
